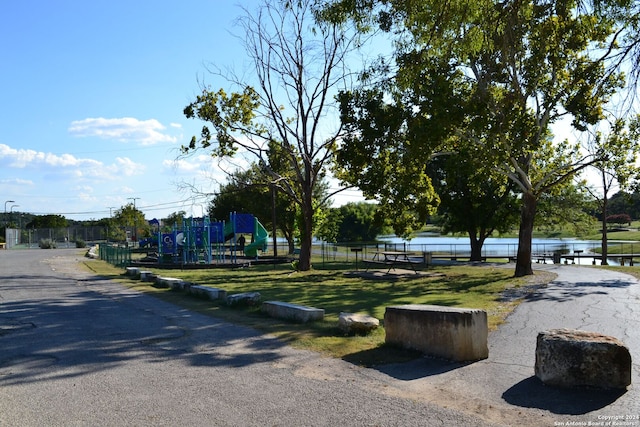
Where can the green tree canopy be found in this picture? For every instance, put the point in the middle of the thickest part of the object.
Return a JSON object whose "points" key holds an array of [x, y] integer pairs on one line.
{"points": [[474, 199], [48, 221], [358, 223], [129, 218], [495, 76]]}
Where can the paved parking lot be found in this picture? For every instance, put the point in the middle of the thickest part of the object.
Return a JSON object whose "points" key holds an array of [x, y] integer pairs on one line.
{"points": [[77, 350]]}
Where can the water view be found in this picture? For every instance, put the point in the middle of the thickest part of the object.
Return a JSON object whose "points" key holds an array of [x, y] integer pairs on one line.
{"points": [[508, 247]]}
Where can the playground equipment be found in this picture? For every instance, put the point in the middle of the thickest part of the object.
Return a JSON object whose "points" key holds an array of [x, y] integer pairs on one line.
{"points": [[246, 224], [202, 241]]}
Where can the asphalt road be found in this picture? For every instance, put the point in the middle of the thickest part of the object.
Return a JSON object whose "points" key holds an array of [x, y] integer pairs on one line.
{"points": [[76, 350], [79, 351]]}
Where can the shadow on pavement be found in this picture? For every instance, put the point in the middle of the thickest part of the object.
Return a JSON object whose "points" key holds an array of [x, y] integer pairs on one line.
{"points": [[71, 334], [532, 393], [421, 367], [560, 291]]}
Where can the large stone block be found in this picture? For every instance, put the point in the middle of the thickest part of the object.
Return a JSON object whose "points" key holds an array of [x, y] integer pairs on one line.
{"points": [[355, 323], [295, 312], [132, 271], [207, 292], [571, 358], [458, 334], [245, 298], [147, 276], [170, 282]]}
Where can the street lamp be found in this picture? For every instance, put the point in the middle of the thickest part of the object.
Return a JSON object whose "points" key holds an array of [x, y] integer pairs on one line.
{"points": [[5, 210], [5, 204], [11, 212]]}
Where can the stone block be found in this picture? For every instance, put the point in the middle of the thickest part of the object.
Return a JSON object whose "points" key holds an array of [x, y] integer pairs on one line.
{"points": [[354, 323], [245, 298], [93, 252], [163, 282], [197, 290], [147, 276], [132, 271], [458, 334], [207, 292], [569, 358], [295, 312]]}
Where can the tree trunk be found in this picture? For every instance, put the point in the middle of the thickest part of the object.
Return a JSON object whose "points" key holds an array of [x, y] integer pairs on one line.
{"points": [[605, 251], [307, 233], [476, 246], [528, 214]]}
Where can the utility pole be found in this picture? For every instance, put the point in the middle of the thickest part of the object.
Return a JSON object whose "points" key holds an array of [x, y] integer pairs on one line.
{"points": [[135, 219], [109, 223]]}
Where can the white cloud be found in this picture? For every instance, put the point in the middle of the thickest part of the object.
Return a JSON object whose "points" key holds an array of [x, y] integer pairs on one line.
{"points": [[16, 181], [84, 192], [21, 158], [127, 167], [68, 164], [125, 129], [182, 165], [126, 190]]}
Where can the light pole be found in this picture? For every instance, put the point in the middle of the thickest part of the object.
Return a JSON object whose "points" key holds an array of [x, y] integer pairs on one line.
{"points": [[11, 211], [5, 209]]}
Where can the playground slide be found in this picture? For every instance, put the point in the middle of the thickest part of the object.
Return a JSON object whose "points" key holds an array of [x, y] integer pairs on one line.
{"points": [[260, 240], [228, 231]]}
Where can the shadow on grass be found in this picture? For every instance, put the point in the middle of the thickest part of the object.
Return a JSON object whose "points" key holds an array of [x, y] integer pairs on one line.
{"points": [[532, 393]]}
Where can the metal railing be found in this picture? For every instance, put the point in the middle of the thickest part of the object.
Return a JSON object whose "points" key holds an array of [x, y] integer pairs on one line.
{"points": [[115, 255]]}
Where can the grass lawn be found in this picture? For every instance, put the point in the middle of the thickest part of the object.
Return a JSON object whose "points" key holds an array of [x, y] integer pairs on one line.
{"points": [[331, 289]]}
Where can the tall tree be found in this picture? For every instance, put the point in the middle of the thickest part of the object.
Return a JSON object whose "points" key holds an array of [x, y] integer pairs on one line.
{"points": [[496, 75], [299, 65], [129, 217], [618, 147], [474, 199], [358, 223], [174, 220]]}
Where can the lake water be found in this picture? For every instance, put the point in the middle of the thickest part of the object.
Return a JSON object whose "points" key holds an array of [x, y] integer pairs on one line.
{"points": [[498, 246]]}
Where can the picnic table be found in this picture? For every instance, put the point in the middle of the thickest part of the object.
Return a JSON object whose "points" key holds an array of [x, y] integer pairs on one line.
{"points": [[391, 259]]}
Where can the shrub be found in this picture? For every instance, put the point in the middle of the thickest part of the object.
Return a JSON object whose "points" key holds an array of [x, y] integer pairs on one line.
{"points": [[47, 244], [80, 243], [619, 219]]}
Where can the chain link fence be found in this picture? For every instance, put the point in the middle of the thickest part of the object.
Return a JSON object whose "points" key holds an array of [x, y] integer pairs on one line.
{"points": [[59, 237]]}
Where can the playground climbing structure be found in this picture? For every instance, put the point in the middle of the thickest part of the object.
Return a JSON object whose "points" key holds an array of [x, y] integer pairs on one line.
{"points": [[201, 241]]}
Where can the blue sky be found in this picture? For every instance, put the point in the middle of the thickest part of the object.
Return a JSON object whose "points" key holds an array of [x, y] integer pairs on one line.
{"points": [[92, 100]]}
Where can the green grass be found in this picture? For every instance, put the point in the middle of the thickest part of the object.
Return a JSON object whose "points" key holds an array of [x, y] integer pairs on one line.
{"points": [[334, 291]]}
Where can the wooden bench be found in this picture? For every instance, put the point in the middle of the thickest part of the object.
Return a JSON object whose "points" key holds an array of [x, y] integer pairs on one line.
{"points": [[295, 312]]}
